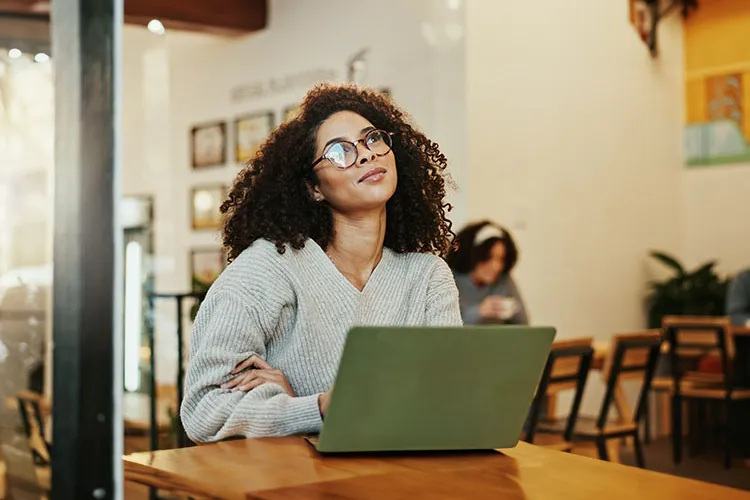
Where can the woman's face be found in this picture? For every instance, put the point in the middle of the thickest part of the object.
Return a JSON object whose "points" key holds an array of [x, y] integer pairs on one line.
{"points": [[370, 181], [487, 272]]}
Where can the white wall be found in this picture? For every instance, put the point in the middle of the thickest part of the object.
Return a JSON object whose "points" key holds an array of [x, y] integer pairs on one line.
{"points": [[180, 80], [574, 141], [715, 205]]}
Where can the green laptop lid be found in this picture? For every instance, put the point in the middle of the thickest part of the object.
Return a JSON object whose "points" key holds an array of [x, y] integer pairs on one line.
{"points": [[422, 388]]}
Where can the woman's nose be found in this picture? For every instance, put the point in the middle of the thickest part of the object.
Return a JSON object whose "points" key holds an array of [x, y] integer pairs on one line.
{"points": [[364, 154]]}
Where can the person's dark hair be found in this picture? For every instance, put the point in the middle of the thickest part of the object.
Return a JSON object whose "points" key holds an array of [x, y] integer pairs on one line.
{"points": [[464, 256], [271, 197]]}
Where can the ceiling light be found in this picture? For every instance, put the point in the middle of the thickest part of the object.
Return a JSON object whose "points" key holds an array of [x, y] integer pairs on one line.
{"points": [[41, 6], [156, 27], [41, 57], [14, 53]]}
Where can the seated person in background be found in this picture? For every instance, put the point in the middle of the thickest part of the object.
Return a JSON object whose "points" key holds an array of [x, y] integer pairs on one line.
{"points": [[337, 221], [481, 260], [738, 299]]}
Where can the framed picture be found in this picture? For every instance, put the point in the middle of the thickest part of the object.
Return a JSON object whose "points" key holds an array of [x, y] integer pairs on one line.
{"points": [[204, 205], [249, 133], [206, 264], [208, 145], [291, 112]]}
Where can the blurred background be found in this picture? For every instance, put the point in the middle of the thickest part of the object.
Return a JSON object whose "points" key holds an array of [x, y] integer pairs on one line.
{"points": [[593, 131]]}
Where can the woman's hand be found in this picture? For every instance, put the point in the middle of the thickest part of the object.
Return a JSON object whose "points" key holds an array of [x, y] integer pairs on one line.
{"points": [[491, 307], [324, 400], [253, 372], [498, 307]]}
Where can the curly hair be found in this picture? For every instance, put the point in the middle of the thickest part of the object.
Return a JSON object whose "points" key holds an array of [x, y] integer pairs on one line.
{"points": [[464, 256], [271, 197]]}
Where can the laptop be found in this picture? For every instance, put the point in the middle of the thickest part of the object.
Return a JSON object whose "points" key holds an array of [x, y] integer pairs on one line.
{"points": [[433, 388]]}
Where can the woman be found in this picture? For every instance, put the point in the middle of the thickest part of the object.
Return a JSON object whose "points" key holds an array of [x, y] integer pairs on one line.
{"points": [[481, 260], [336, 223]]}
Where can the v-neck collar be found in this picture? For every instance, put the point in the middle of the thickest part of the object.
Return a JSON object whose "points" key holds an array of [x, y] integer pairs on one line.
{"points": [[330, 268]]}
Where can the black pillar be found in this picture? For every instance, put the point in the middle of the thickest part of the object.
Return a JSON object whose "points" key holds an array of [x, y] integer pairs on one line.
{"points": [[87, 350]]}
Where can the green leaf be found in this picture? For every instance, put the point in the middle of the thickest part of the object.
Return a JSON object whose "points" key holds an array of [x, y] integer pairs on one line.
{"points": [[669, 261]]}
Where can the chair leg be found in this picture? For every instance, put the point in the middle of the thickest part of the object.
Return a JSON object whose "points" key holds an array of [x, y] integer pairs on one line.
{"points": [[729, 436], [676, 429], [638, 451], [647, 418], [701, 427], [694, 429], [601, 446]]}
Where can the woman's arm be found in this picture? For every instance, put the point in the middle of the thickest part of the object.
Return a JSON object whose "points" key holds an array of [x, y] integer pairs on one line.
{"points": [[442, 298], [471, 314], [228, 330]]}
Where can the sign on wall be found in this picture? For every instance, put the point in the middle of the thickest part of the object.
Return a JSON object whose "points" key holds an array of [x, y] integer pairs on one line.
{"points": [[263, 88]]}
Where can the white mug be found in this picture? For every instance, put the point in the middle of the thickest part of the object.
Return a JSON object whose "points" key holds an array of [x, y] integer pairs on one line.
{"points": [[508, 308]]}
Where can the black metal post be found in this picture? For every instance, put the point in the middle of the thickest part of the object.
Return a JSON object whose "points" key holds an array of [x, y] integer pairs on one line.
{"points": [[182, 439], [180, 367], [87, 383], [153, 430]]}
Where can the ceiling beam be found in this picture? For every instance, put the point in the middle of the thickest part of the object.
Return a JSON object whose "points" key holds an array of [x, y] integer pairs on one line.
{"points": [[228, 17], [231, 17]]}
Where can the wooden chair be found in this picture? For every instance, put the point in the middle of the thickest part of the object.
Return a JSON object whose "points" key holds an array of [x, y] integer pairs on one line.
{"points": [[633, 357], [693, 336], [30, 410], [25, 479], [661, 390], [567, 367]]}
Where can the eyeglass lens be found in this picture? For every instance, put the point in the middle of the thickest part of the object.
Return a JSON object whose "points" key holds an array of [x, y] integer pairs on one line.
{"points": [[343, 154]]}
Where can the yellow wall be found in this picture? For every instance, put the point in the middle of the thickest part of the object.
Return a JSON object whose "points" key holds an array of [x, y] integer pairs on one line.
{"points": [[717, 42], [718, 35]]}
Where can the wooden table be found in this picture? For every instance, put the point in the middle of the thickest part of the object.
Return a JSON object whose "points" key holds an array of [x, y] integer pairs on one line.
{"points": [[288, 468]]}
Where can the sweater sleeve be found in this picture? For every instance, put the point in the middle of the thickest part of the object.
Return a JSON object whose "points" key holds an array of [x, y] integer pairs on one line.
{"points": [[738, 299], [227, 330], [521, 317], [471, 315], [442, 307]]}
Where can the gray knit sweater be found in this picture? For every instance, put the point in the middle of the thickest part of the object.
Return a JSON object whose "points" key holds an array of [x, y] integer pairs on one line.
{"points": [[294, 310]]}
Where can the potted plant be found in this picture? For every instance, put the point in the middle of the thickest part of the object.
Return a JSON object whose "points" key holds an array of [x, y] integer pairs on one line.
{"points": [[701, 292]]}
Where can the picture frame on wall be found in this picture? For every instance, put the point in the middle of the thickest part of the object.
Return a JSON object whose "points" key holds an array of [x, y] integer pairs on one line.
{"points": [[208, 145], [250, 131], [206, 264], [205, 201]]}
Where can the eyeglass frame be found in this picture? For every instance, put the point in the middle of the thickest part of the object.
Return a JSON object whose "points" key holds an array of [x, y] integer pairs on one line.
{"points": [[356, 148]]}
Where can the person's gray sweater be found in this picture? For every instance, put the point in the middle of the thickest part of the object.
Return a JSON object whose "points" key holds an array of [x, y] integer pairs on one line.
{"points": [[471, 296], [294, 310], [738, 299]]}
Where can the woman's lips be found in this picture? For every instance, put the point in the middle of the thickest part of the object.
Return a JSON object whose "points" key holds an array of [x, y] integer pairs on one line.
{"points": [[374, 174]]}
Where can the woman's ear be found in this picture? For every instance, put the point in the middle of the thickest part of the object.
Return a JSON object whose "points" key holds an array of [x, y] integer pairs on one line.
{"points": [[315, 193]]}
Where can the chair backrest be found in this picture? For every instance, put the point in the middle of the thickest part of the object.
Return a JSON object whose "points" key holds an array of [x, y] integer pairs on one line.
{"points": [[567, 367], [632, 356], [696, 336]]}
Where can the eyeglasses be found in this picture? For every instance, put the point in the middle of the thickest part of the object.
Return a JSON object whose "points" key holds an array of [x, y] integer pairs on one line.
{"points": [[344, 154]]}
